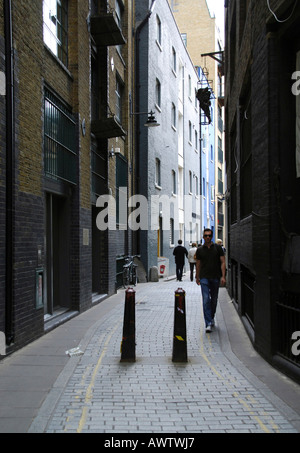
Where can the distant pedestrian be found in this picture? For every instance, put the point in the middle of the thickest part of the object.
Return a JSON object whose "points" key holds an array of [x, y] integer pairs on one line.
{"points": [[192, 259], [210, 273], [179, 252], [220, 242]]}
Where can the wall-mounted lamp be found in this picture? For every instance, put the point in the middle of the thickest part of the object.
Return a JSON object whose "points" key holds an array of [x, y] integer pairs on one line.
{"points": [[151, 121], [113, 151]]}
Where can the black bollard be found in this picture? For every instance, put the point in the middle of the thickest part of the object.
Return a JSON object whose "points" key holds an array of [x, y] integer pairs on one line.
{"points": [[179, 339], [128, 340]]}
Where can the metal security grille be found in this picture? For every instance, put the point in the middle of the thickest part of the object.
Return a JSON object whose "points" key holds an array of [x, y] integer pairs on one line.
{"points": [[60, 140]]}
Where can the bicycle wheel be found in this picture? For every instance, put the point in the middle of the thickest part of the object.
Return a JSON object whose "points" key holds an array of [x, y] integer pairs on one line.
{"points": [[125, 277]]}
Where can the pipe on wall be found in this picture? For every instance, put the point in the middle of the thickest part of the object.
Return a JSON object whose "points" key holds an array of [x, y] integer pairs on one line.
{"points": [[10, 164]]}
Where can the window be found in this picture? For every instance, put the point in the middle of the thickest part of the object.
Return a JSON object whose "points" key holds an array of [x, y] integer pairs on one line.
{"points": [[196, 140], [190, 132], [220, 150], [118, 13], [174, 64], [184, 38], [197, 185], [55, 28], [121, 187], [173, 115], [173, 182], [158, 93], [119, 98], [212, 194], [158, 30], [60, 161], [157, 173], [172, 235], [220, 182], [190, 87], [190, 182]]}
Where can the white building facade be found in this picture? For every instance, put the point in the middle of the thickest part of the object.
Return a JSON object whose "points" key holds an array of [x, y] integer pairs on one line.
{"points": [[168, 155]]}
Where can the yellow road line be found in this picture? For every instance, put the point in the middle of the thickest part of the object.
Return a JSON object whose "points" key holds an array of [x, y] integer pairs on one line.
{"points": [[235, 394], [89, 392]]}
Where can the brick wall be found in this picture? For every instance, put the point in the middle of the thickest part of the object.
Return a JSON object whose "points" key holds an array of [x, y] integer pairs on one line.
{"points": [[260, 60], [2, 186]]}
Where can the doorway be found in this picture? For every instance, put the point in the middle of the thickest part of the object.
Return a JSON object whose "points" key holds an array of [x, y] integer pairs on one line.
{"points": [[57, 255]]}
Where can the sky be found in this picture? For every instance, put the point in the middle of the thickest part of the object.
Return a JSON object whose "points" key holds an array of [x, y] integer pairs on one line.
{"points": [[217, 7]]}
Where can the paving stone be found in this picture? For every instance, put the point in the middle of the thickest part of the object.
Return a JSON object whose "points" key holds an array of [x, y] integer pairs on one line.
{"points": [[207, 394]]}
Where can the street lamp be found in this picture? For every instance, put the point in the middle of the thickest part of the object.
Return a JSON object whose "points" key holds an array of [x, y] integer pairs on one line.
{"points": [[151, 121]]}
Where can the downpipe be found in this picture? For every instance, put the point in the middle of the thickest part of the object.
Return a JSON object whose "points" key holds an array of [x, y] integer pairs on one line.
{"points": [[10, 164]]}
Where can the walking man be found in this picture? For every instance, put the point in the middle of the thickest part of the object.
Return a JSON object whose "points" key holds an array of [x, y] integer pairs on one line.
{"points": [[210, 273], [192, 259], [179, 252]]}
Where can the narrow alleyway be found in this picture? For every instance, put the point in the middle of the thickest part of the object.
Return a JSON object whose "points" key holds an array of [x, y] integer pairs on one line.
{"points": [[213, 392]]}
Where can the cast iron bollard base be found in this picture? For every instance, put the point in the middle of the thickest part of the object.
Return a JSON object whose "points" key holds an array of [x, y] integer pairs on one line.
{"points": [[179, 339], [128, 340]]}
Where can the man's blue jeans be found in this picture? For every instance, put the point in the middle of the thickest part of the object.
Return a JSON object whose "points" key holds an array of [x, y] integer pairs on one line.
{"points": [[210, 292]]}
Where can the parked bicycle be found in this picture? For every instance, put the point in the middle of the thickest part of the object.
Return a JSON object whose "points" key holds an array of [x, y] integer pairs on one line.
{"points": [[129, 271]]}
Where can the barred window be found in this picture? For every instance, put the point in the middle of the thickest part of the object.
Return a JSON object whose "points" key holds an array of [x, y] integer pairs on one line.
{"points": [[59, 139]]}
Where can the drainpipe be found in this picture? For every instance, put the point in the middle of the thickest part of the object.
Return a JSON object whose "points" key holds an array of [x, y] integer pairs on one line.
{"points": [[9, 331]]}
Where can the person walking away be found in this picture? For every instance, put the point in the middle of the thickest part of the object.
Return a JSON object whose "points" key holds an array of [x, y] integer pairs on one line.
{"points": [[179, 252], [210, 273], [192, 259]]}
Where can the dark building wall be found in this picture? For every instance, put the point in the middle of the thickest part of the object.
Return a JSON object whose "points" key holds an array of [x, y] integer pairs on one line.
{"points": [[34, 67], [49, 208], [260, 125], [27, 233], [2, 186]]}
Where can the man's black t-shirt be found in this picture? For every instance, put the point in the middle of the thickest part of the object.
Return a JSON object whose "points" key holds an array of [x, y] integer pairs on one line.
{"points": [[180, 252], [210, 260]]}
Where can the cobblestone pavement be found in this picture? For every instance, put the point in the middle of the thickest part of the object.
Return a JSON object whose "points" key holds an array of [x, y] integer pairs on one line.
{"points": [[212, 392]]}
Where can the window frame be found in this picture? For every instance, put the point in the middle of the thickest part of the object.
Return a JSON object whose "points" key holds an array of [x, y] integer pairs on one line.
{"points": [[55, 28]]}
